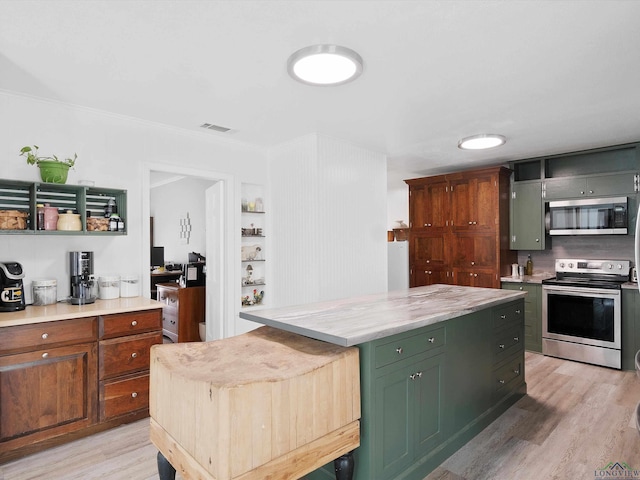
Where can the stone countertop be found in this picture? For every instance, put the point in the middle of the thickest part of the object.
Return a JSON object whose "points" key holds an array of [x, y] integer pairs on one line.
{"points": [[352, 321], [66, 311]]}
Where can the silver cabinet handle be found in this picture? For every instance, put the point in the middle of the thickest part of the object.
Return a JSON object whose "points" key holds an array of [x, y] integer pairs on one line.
{"points": [[45, 355], [134, 323], [537, 240], [134, 394], [501, 381], [518, 312], [503, 317], [399, 350], [516, 339], [134, 355], [413, 376], [501, 345], [470, 223], [516, 371], [475, 223], [432, 340], [473, 263], [590, 191], [45, 336]]}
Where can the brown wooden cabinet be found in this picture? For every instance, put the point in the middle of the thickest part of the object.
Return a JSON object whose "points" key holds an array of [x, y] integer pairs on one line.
{"points": [[60, 380], [459, 228], [124, 355], [182, 310]]}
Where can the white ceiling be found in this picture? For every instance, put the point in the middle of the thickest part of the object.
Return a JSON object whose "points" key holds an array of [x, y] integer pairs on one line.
{"points": [[552, 76]]}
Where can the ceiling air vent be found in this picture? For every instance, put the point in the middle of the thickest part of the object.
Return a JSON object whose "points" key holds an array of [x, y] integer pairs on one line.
{"points": [[216, 128]]}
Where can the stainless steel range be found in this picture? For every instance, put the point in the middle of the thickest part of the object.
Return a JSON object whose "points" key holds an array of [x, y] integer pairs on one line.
{"points": [[581, 311]]}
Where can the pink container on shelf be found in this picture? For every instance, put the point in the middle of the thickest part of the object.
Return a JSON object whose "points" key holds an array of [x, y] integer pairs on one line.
{"points": [[50, 217]]}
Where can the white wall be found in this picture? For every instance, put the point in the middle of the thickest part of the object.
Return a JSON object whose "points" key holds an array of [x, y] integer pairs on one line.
{"points": [[328, 199], [112, 151], [169, 204]]}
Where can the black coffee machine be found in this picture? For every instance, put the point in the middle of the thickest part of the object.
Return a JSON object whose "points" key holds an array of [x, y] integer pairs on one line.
{"points": [[82, 280], [11, 288]]}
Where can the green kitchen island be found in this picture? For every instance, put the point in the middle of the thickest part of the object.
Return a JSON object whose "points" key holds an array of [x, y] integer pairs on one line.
{"points": [[437, 365]]}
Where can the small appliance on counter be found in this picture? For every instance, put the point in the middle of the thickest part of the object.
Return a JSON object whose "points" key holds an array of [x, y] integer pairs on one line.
{"points": [[82, 281], [12, 289]]}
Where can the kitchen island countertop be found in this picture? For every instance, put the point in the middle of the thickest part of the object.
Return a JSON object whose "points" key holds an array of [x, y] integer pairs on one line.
{"points": [[356, 320], [64, 311]]}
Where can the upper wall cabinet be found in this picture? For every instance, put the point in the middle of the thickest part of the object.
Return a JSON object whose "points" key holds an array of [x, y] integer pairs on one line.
{"points": [[19, 207], [604, 172]]}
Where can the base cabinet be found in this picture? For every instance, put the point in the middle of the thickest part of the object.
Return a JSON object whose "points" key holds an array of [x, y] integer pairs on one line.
{"points": [[65, 379], [532, 314], [427, 392], [46, 393]]}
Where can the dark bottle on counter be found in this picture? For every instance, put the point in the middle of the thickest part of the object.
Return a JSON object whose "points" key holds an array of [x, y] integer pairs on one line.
{"points": [[529, 268], [40, 216]]}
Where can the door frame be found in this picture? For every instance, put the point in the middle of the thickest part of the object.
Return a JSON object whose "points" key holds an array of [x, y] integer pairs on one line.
{"points": [[218, 303]]}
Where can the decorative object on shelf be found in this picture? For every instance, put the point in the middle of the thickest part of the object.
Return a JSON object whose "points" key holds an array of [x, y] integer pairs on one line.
{"points": [[251, 252], [69, 221], [251, 231], [52, 169], [400, 231], [256, 299], [13, 220], [248, 279]]}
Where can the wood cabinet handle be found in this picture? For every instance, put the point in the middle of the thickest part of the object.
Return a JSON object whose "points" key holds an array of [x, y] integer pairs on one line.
{"points": [[134, 394], [399, 350], [45, 336], [134, 323], [134, 355]]}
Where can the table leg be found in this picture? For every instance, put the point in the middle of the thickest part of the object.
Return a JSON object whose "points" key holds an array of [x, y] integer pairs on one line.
{"points": [[165, 469], [344, 466]]}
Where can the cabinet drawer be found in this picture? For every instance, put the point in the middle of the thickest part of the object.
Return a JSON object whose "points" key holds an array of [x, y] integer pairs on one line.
{"points": [[25, 338], [168, 296], [507, 343], [402, 348], [118, 397], [170, 321], [507, 377], [129, 323], [507, 314], [130, 354]]}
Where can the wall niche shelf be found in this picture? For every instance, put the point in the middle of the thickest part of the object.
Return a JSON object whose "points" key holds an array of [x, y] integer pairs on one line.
{"points": [[25, 196], [253, 239]]}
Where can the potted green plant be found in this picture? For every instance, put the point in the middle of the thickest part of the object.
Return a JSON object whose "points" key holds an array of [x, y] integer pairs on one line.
{"points": [[52, 169]]}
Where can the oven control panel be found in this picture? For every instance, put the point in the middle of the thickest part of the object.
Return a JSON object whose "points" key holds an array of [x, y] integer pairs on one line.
{"points": [[615, 267]]}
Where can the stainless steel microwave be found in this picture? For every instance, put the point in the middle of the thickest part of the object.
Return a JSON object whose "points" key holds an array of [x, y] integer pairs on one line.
{"points": [[588, 216]]}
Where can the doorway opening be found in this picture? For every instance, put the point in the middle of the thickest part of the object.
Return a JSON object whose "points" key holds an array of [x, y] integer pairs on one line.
{"points": [[193, 218]]}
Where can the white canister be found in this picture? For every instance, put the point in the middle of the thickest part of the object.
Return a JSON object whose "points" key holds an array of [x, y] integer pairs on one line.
{"points": [[109, 287], [45, 291], [129, 286]]}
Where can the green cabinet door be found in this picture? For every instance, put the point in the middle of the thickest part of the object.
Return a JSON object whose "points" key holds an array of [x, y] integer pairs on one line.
{"points": [[590, 186], [630, 327], [527, 216], [408, 415], [532, 314]]}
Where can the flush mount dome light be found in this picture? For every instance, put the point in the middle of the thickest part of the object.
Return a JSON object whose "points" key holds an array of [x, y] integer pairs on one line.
{"points": [[325, 65], [482, 141]]}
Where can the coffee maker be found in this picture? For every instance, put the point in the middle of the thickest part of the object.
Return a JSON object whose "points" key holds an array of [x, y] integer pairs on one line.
{"points": [[11, 288], [82, 281]]}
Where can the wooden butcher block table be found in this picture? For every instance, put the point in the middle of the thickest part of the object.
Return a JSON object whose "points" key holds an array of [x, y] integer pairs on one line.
{"points": [[267, 404]]}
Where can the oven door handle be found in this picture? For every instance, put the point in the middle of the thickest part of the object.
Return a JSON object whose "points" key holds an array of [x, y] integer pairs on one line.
{"points": [[581, 291]]}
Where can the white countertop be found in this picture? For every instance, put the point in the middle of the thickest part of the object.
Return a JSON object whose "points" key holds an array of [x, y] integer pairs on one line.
{"points": [[66, 311], [535, 278], [352, 321]]}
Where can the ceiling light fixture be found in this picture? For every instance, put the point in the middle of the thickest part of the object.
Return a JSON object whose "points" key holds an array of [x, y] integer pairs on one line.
{"points": [[481, 142], [325, 65]]}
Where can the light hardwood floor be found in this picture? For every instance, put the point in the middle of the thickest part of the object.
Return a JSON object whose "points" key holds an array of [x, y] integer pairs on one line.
{"points": [[575, 419]]}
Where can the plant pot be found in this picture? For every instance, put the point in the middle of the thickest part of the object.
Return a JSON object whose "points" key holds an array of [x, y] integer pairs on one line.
{"points": [[53, 172]]}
